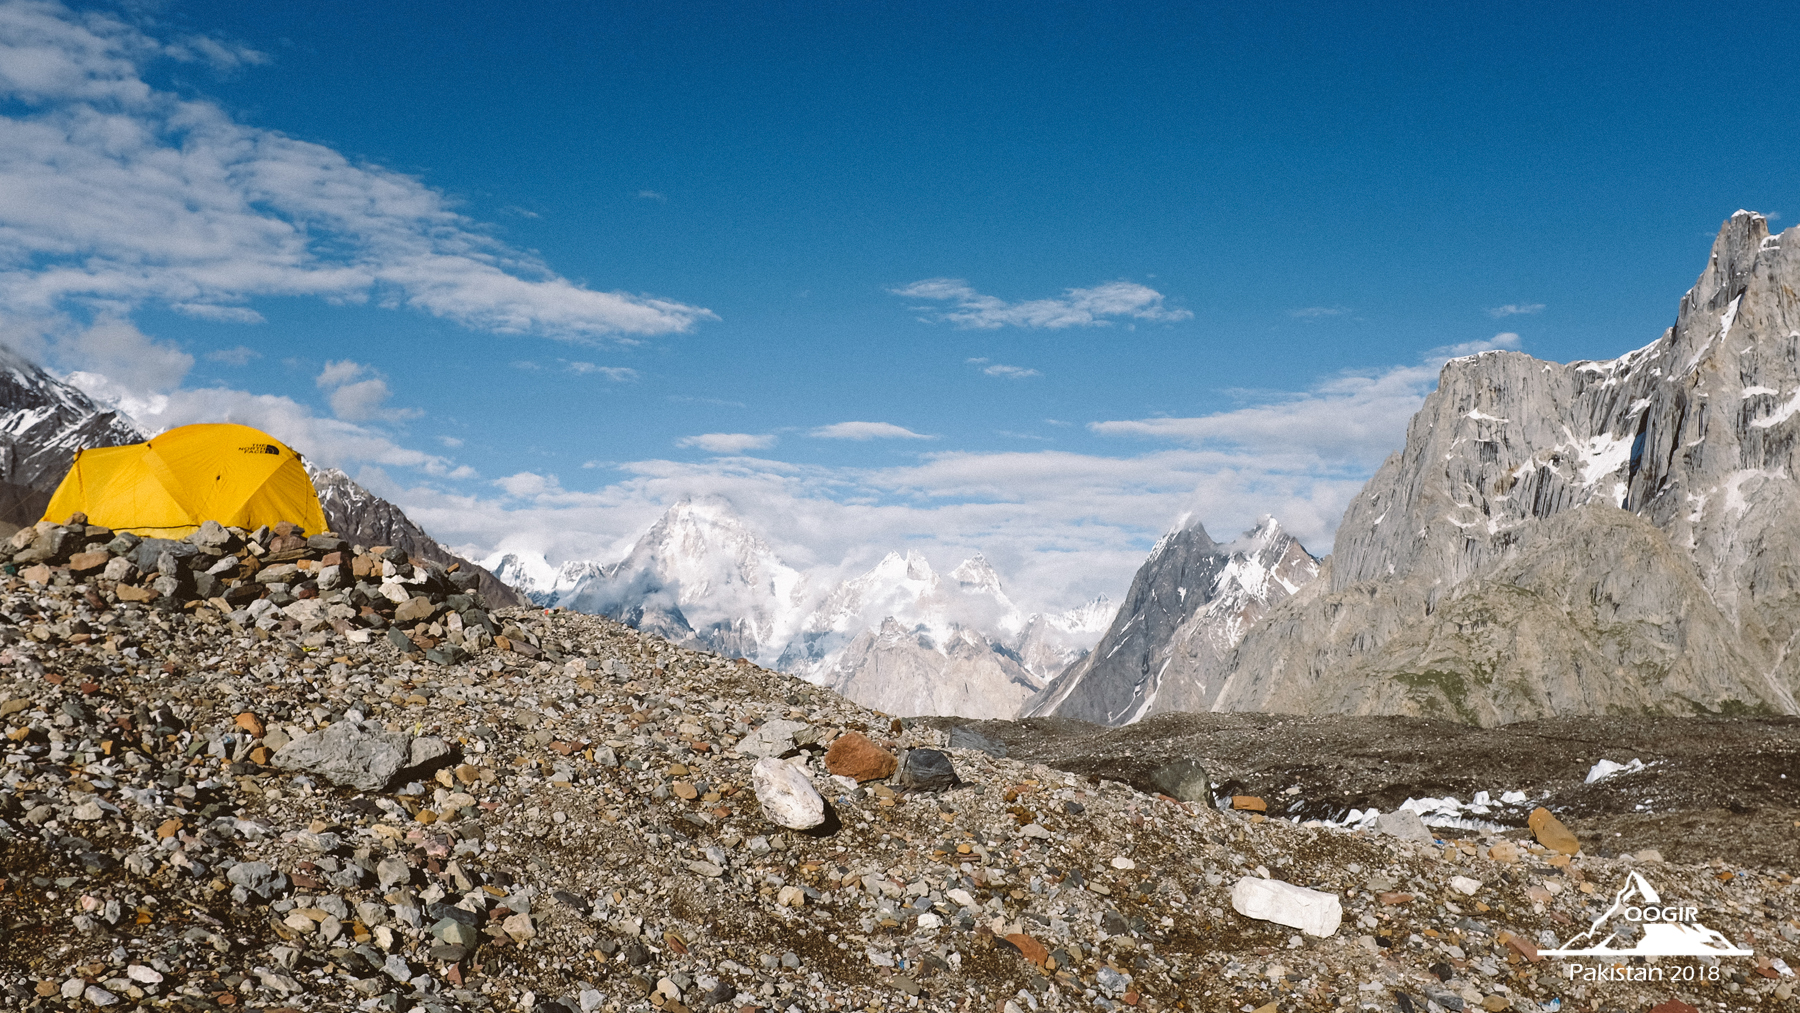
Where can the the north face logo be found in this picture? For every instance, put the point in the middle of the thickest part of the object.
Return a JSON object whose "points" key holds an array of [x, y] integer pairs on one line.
{"points": [[1639, 923]]}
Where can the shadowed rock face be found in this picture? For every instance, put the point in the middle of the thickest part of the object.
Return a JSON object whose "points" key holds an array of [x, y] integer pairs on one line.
{"points": [[1591, 537], [1189, 605]]}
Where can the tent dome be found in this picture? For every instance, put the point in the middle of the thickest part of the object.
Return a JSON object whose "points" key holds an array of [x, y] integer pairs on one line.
{"points": [[168, 485]]}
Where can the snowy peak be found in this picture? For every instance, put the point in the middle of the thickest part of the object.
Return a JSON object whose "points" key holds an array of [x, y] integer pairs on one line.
{"points": [[43, 422], [698, 573]]}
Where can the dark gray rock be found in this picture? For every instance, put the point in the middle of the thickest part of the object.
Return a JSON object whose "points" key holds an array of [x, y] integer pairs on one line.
{"points": [[964, 737], [927, 770], [1184, 779]]}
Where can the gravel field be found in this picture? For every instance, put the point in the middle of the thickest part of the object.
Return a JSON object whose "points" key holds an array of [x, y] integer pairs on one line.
{"points": [[206, 815]]}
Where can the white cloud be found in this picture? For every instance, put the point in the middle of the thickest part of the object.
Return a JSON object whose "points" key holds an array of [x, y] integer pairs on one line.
{"points": [[116, 348], [867, 431], [526, 484], [113, 190], [357, 393], [218, 314], [651, 195], [1315, 312], [1078, 307], [360, 401], [617, 374], [1515, 309], [1006, 372], [450, 441], [1355, 418], [727, 443], [334, 442], [239, 356], [336, 374]]}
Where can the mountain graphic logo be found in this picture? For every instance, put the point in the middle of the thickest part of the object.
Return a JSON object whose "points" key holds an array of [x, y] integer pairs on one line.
{"points": [[1641, 924]]}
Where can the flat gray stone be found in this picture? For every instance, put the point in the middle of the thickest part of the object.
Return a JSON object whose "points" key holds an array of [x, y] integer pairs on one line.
{"points": [[257, 878], [773, 739], [348, 754], [1404, 824]]}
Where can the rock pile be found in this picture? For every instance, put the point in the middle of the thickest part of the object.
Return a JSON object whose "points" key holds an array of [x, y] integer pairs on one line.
{"points": [[204, 812], [273, 577]]}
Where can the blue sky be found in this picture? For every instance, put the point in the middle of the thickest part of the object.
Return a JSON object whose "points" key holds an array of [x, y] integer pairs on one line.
{"points": [[536, 270]]}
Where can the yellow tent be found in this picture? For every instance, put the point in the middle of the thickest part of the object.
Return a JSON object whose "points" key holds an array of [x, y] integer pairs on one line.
{"points": [[167, 486]]}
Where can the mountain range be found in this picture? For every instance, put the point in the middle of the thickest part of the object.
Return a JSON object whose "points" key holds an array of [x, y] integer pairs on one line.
{"points": [[1618, 536], [901, 636], [1596, 537]]}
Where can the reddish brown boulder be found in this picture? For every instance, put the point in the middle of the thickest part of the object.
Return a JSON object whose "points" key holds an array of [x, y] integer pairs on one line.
{"points": [[853, 755]]}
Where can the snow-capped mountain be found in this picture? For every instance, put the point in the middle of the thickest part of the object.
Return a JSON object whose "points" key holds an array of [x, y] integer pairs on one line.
{"points": [[698, 575], [1189, 605], [901, 636], [43, 422], [532, 575]]}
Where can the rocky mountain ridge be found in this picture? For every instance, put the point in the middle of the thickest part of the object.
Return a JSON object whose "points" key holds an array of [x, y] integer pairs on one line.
{"points": [[43, 422], [1189, 605], [1590, 537], [900, 636]]}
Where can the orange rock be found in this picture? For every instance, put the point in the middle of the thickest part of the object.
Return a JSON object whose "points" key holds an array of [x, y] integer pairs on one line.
{"points": [[128, 593], [260, 756], [1029, 948], [88, 562], [1395, 898], [1250, 802], [168, 829], [250, 723], [39, 574], [853, 755], [1551, 832]]}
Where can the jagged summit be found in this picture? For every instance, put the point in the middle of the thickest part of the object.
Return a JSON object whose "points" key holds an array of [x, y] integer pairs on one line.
{"points": [[1575, 538], [43, 422], [1189, 605]]}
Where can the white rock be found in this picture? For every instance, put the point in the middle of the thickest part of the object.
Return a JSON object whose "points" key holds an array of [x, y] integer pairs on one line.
{"points": [[1311, 911], [962, 897], [1122, 862], [787, 795], [1036, 832], [1607, 768], [143, 975], [929, 921], [1465, 885]]}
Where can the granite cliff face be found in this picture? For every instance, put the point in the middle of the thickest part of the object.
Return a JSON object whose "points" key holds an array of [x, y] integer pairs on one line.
{"points": [[1595, 537], [1189, 605]]}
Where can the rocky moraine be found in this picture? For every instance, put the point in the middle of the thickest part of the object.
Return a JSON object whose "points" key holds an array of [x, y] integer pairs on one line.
{"points": [[340, 800]]}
